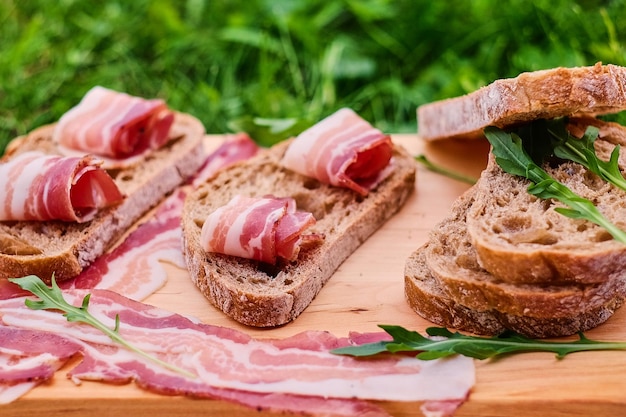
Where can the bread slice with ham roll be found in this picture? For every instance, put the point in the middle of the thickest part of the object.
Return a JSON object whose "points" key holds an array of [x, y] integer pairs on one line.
{"points": [[63, 246], [273, 290]]}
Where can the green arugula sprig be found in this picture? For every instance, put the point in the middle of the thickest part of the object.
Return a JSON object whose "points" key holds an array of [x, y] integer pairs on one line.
{"points": [[443, 171], [441, 343], [512, 158], [582, 151], [51, 298]]}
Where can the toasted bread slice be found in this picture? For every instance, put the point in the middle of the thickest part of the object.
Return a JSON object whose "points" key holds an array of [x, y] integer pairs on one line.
{"points": [[522, 239], [262, 295], [445, 284], [593, 90], [65, 249]]}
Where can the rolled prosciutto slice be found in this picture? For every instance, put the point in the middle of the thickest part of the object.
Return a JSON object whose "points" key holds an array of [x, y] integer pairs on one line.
{"points": [[114, 125], [36, 186], [342, 150], [259, 228]]}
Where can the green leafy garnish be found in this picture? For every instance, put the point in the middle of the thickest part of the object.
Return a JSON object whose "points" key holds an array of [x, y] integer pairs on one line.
{"points": [[512, 158], [443, 171], [51, 298], [582, 151], [441, 343]]}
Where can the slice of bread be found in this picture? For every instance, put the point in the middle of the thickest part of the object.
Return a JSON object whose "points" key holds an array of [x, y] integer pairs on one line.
{"points": [[65, 249], [522, 239], [445, 284], [598, 89], [264, 295]]}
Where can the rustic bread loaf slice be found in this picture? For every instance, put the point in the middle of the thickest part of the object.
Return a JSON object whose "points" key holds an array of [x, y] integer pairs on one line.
{"points": [[445, 284], [522, 239], [65, 249], [427, 297], [547, 94], [263, 295]]}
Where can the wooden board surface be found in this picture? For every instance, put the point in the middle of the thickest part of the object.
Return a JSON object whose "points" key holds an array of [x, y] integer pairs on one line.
{"points": [[368, 290]]}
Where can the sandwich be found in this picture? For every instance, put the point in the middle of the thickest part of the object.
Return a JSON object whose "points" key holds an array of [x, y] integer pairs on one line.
{"points": [[540, 255], [70, 190], [262, 237]]}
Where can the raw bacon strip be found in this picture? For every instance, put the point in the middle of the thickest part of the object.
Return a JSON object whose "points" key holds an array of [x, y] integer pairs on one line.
{"points": [[113, 124], [134, 267], [342, 150], [36, 186], [237, 147], [29, 357], [228, 363], [262, 228]]}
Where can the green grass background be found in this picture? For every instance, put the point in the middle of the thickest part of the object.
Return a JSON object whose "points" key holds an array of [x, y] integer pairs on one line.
{"points": [[272, 67]]}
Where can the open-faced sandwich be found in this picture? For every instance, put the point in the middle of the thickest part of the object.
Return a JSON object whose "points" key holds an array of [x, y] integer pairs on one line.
{"points": [[263, 236], [70, 190], [538, 244]]}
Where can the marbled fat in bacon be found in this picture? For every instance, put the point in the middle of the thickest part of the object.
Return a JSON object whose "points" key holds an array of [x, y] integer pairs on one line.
{"points": [[114, 124], [342, 150], [293, 374], [35, 186], [259, 228]]}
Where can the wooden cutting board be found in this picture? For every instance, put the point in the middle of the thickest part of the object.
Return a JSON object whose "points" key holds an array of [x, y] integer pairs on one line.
{"points": [[367, 290]]}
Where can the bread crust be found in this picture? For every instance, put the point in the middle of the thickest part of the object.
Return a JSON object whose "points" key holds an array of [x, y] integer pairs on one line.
{"points": [[259, 295], [64, 248], [425, 296], [557, 92]]}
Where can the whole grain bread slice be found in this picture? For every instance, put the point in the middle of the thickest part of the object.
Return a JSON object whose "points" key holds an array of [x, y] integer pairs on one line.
{"points": [[522, 239], [427, 297], [65, 249], [445, 284], [598, 89], [262, 295]]}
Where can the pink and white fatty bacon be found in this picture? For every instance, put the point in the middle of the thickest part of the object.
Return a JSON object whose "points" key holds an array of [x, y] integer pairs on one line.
{"points": [[295, 374], [36, 186], [114, 125], [342, 150], [259, 228]]}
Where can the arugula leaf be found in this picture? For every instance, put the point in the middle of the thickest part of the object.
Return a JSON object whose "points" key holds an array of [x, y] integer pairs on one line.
{"points": [[443, 171], [441, 343], [512, 158], [51, 298], [583, 152]]}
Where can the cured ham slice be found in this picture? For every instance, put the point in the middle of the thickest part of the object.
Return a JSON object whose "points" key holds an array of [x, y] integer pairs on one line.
{"points": [[294, 374], [342, 150], [114, 125], [36, 186], [259, 228]]}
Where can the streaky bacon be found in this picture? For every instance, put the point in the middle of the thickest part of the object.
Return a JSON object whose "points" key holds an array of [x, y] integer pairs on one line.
{"points": [[236, 147], [134, 267], [342, 150], [259, 228], [36, 186], [292, 374], [114, 124]]}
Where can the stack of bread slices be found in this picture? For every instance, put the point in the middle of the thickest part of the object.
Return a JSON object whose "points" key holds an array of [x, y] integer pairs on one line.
{"points": [[504, 259]]}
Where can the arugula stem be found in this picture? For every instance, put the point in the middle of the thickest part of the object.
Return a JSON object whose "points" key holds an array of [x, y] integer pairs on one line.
{"points": [[441, 170], [477, 347]]}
